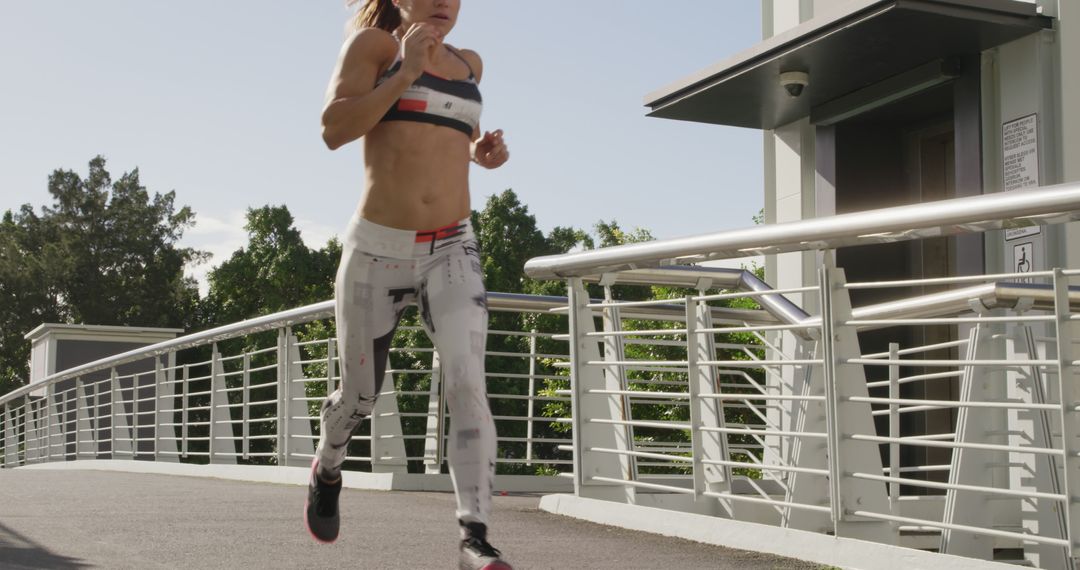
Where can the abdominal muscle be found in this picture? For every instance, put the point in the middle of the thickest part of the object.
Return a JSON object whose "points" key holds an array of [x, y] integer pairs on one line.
{"points": [[417, 176]]}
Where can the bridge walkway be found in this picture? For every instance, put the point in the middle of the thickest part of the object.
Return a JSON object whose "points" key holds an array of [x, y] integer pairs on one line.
{"points": [[92, 519]]}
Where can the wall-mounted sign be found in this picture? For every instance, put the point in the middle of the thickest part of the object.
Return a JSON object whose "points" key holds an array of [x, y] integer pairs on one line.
{"points": [[1020, 159]]}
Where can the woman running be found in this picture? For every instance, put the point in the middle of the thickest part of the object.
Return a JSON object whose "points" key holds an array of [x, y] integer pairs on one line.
{"points": [[416, 103]]}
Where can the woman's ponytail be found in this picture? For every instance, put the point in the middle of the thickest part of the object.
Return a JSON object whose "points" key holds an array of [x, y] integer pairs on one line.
{"points": [[382, 14]]}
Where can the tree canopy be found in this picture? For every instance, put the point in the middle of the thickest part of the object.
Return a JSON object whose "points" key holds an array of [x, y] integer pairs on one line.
{"points": [[103, 252], [275, 272]]}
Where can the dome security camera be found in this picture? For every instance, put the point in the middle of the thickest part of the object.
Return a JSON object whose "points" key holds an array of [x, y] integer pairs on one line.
{"points": [[794, 82]]}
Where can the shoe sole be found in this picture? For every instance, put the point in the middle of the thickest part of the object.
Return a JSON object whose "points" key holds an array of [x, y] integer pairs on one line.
{"points": [[307, 506]]}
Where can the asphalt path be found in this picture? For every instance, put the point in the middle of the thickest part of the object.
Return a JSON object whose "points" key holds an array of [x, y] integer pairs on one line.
{"points": [[95, 519]]}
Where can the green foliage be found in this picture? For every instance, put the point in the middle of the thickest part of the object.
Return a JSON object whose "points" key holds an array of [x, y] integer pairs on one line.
{"points": [[275, 272], [734, 346], [104, 252]]}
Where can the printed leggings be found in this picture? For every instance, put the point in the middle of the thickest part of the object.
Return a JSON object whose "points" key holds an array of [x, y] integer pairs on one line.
{"points": [[382, 271]]}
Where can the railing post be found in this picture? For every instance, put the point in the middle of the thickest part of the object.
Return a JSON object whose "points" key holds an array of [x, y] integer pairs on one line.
{"points": [[331, 356], [387, 438], [27, 431], [64, 410], [845, 418], [164, 393], [706, 412], [293, 409], [615, 351], [11, 438], [1035, 472], [531, 407], [436, 418], [114, 416], [222, 443], [30, 431], [807, 416], [894, 426], [244, 408], [27, 427], [972, 466], [84, 423], [50, 390], [1069, 389], [283, 446], [94, 414], [587, 406], [185, 403]]}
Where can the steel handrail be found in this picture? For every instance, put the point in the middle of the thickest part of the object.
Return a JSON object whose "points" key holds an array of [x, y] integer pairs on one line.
{"points": [[325, 309], [299, 315], [1020, 208]]}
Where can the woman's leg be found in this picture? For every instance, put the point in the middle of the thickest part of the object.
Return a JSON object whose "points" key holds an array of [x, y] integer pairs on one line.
{"points": [[453, 305], [371, 292]]}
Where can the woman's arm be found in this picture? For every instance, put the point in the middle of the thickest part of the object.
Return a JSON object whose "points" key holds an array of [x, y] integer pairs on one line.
{"points": [[488, 148], [354, 104]]}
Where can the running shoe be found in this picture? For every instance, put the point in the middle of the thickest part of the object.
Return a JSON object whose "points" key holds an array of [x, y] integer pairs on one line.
{"points": [[477, 553], [321, 508]]}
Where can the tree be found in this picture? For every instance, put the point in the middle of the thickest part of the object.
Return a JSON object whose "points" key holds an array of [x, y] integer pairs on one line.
{"points": [[102, 253], [275, 272]]}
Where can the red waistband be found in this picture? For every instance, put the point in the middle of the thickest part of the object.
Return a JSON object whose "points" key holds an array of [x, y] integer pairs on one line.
{"points": [[445, 232]]}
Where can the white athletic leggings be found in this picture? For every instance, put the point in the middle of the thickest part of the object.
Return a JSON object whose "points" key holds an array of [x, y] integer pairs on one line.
{"points": [[382, 270]]}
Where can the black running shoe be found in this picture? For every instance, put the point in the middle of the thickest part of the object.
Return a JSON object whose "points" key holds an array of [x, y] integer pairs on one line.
{"points": [[477, 553], [321, 508]]}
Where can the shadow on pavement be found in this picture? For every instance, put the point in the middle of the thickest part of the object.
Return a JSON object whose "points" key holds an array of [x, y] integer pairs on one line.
{"points": [[17, 551]]}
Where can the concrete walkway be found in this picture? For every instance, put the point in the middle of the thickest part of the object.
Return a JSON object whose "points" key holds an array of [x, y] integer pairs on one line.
{"points": [[93, 519]]}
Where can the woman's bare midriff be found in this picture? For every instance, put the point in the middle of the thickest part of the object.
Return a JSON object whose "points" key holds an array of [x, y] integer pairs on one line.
{"points": [[417, 176]]}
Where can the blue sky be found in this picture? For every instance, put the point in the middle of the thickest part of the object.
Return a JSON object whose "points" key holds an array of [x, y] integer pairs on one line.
{"points": [[220, 101]]}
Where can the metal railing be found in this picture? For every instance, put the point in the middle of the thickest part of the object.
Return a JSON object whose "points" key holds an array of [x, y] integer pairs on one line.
{"points": [[945, 419], [249, 392]]}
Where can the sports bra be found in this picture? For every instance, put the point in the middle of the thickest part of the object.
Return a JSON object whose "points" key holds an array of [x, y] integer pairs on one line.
{"points": [[453, 103]]}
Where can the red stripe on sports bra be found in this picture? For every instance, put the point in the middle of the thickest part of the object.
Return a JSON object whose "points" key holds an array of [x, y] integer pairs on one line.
{"points": [[418, 105]]}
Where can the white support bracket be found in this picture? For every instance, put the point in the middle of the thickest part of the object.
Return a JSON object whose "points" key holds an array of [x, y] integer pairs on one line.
{"points": [[86, 436], [436, 419], [807, 416], [11, 438], [119, 430], [705, 411], [587, 406], [387, 438], [974, 467], [165, 448], [57, 422], [222, 446], [1030, 471], [1069, 390], [843, 381], [294, 427], [615, 351]]}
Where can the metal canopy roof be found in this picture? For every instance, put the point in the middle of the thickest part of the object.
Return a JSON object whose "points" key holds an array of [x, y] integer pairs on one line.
{"points": [[864, 43]]}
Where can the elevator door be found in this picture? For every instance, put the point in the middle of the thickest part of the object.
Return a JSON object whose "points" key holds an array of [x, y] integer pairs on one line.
{"points": [[903, 153]]}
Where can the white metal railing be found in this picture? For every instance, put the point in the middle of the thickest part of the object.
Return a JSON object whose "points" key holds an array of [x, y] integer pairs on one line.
{"points": [[944, 420], [250, 392]]}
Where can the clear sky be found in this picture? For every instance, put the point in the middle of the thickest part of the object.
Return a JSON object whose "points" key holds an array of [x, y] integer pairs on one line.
{"points": [[219, 100]]}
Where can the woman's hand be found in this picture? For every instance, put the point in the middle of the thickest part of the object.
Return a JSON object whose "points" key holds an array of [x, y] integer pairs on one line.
{"points": [[489, 150], [418, 49]]}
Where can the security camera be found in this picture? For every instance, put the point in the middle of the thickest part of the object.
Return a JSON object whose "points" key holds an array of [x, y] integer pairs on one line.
{"points": [[794, 82]]}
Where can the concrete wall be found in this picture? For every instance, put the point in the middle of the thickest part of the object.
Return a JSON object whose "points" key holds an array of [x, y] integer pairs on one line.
{"points": [[1069, 71]]}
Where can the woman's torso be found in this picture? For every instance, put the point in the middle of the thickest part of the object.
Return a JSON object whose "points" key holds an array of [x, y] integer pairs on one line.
{"points": [[417, 173]]}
